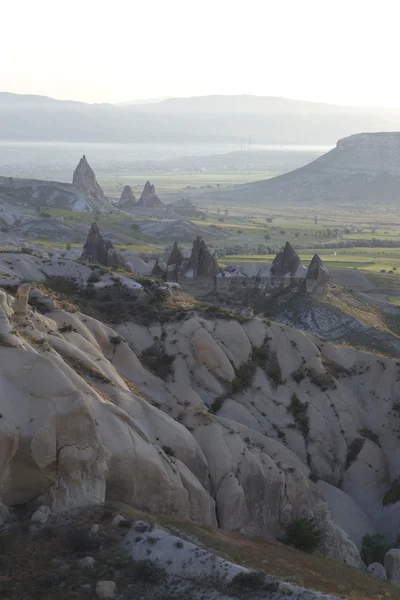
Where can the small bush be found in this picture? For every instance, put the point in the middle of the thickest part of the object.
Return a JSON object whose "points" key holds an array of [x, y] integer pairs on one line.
{"points": [[147, 571], [178, 544], [393, 494], [300, 416], [354, 450], [298, 375], [45, 215], [80, 541], [373, 548], [65, 328], [168, 450], [370, 435], [254, 580], [115, 340], [303, 534], [216, 405]]}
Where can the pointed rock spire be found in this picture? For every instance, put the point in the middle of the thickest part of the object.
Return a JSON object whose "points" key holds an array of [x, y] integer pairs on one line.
{"points": [[286, 262], [127, 197], [317, 278], [85, 179], [149, 199], [99, 250]]}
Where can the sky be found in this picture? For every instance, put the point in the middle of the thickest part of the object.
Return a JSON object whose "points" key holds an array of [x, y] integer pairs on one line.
{"points": [[343, 52]]}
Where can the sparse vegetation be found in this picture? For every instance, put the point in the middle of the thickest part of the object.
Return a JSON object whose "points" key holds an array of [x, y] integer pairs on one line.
{"points": [[393, 493], [300, 416], [303, 534], [373, 549], [216, 405]]}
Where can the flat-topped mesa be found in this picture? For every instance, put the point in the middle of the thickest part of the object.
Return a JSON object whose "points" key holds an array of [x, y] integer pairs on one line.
{"points": [[317, 278], [201, 262], [98, 250], [127, 199], [286, 263], [85, 179], [149, 199], [174, 264]]}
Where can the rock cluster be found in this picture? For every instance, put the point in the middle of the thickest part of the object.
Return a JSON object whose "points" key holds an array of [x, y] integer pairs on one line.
{"points": [[98, 250], [149, 198], [85, 179], [127, 199]]}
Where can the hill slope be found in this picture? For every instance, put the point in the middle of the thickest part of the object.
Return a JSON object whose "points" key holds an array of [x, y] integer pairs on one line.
{"points": [[363, 168]]}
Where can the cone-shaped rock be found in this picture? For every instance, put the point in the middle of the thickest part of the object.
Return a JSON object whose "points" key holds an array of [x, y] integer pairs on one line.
{"points": [[201, 263], [85, 179], [174, 263], [317, 278], [286, 262], [149, 199], [158, 269], [127, 197], [99, 250]]}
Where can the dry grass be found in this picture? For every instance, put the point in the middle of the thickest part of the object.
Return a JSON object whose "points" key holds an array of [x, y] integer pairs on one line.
{"points": [[279, 560]]}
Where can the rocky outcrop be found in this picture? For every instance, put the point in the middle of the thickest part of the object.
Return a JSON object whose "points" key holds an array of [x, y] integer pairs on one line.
{"points": [[201, 262], [148, 198], [317, 278], [158, 270], [85, 179], [98, 250], [127, 199], [41, 194], [286, 262], [174, 264]]}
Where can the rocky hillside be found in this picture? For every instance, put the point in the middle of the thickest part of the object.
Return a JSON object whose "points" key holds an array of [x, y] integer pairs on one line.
{"points": [[363, 168], [228, 421]]}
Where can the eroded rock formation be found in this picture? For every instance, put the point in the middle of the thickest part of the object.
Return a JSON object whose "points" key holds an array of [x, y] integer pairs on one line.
{"points": [[127, 199], [201, 262], [85, 179], [149, 199], [286, 262], [99, 250], [174, 264], [317, 278]]}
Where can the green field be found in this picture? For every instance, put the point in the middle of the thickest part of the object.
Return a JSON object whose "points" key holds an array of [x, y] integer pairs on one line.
{"points": [[371, 259]]}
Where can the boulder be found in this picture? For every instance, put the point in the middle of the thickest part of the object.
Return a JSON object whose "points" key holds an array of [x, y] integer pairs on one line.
{"points": [[106, 589], [317, 278], [99, 250], [85, 179], [86, 563], [40, 301], [392, 565], [378, 570], [148, 198], [41, 515], [127, 199], [286, 262]]}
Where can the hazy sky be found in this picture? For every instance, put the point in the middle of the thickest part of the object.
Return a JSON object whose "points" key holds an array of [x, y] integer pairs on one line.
{"points": [[343, 51]]}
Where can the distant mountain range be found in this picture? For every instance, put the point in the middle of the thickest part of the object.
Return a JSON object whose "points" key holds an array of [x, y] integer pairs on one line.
{"points": [[206, 119]]}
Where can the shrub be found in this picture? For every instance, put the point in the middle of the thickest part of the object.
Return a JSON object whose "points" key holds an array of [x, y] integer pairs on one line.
{"points": [[168, 450], [299, 413], [393, 494], [252, 580], [45, 215], [273, 370], [370, 435], [79, 540], [216, 405], [373, 548], [148, 571], [303, 534], [354, 450], [65, 328]]}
